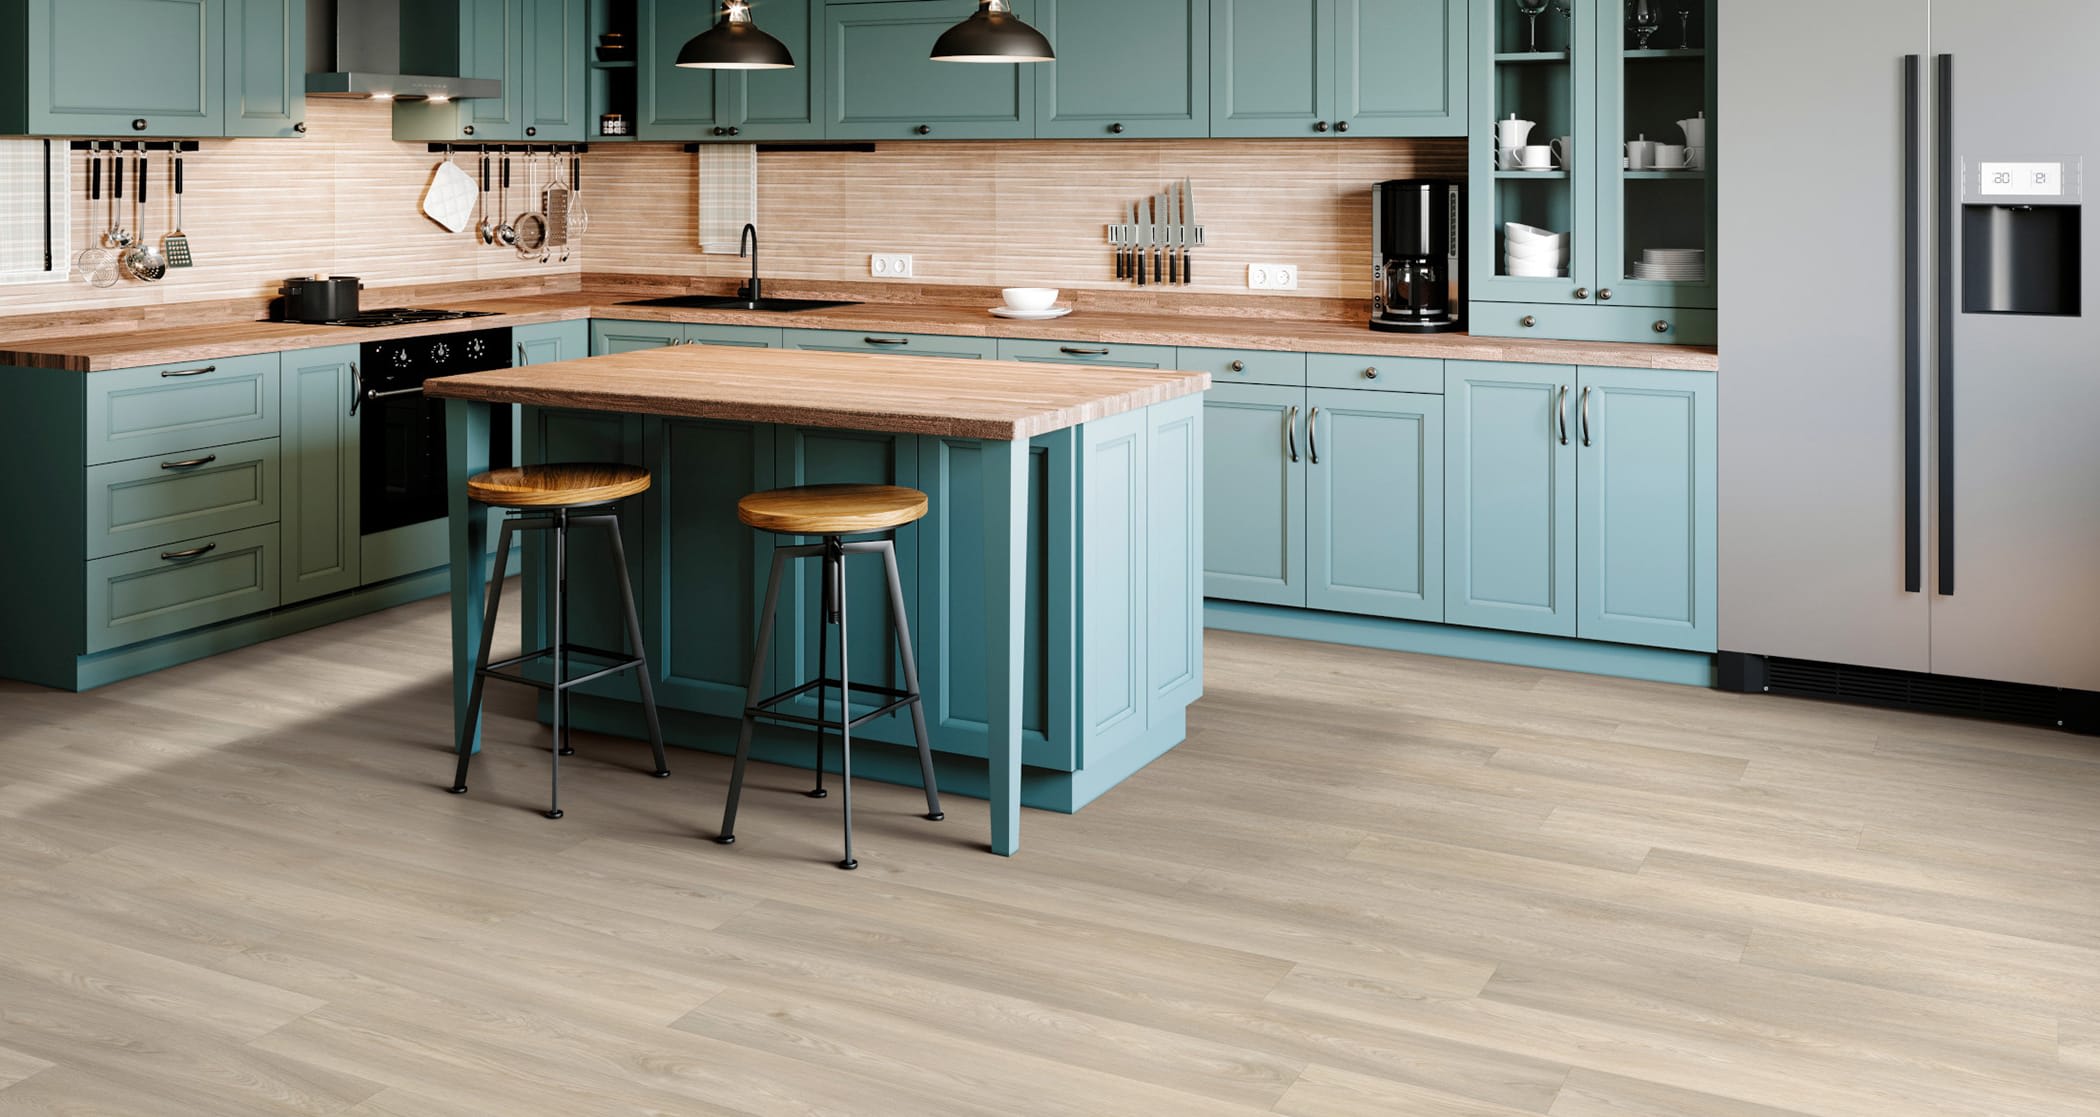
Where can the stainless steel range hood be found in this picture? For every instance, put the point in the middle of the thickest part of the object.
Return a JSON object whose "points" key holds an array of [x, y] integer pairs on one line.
{"points": [[354, 50]]}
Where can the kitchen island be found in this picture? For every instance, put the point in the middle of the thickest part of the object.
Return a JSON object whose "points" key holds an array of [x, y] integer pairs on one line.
{"points": [[1055, 586]]}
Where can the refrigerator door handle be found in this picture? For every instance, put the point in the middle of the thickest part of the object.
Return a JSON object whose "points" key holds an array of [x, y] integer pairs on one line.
{"points": [[1913, 327], [1943, 297]]}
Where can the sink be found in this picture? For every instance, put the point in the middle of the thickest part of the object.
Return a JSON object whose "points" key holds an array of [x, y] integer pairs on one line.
{"points": [[731, 302]]}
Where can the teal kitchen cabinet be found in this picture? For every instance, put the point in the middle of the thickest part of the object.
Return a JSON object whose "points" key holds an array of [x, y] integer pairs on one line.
{"points": [[1374, 503], [549, 342], [536, 48], [1646, 508], [1136, 71], [319, 545], [1294, 68], [265, 68], [881, 83], [114, 67], [1510, 462], [912, 345], [1028, 351], [1254, 494], [702, 570], [614, 336], [748, 106]]}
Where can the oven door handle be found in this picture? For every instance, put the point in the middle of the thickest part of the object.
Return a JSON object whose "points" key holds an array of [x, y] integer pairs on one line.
{"points": [[357, 387], [375, 395]]}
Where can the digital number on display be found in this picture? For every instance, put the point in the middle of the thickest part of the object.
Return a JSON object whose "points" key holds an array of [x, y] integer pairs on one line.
{"points": [[2023, 180]]}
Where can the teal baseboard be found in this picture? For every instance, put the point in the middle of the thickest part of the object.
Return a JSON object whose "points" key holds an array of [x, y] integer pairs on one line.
{"points": [[1519, 649], [1041, 788]]}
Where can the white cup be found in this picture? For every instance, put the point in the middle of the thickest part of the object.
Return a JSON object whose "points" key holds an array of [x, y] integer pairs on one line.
{"points": [[1695, 158], [1535, 157], [1564, 152], [1669, 157], [1640, 155], [1512, 132], [1508, 158], [1030, 298]]}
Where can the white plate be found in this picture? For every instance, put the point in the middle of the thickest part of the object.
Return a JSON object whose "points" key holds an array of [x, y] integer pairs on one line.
{"points": [[1031, 315]]}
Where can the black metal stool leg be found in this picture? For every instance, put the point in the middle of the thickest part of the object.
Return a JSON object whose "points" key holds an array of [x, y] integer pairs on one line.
{"points": [[752, 694], [481, 661], [902, 622], [827, 608], [835, 569], [611, 523], [564, 725], [561, 652]]}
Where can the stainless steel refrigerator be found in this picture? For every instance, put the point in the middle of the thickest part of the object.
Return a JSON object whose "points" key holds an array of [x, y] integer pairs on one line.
{"points": [[1910, 352]]}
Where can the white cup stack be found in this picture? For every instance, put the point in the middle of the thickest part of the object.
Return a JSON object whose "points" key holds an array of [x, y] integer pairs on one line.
{"points": [[1533, 253]]}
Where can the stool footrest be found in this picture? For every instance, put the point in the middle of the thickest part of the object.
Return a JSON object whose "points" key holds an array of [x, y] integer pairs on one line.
{"points": [[620, 661], [898, 700]]}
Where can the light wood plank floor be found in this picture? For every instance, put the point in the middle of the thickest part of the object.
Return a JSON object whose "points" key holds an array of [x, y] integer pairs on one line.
{"points": [[1368, 884]]}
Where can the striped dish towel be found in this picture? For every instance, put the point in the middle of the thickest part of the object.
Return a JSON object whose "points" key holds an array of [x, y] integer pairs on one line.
{"points": [[22, 167], [728, 195]]}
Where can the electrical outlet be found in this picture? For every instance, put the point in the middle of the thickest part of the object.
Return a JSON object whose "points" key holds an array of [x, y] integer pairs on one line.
{"points": [[1272, 277], [889, 265]]}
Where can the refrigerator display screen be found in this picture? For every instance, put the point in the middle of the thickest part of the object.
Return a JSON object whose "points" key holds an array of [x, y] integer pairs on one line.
{"points": [[2022, 180]]}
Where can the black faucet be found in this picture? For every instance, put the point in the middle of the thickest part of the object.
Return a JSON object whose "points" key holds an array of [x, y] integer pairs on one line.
{"points": [[747, 245]]}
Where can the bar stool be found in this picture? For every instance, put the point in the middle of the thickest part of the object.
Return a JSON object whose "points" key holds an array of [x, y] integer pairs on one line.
{"points": [[548, 498], [833, 512]]}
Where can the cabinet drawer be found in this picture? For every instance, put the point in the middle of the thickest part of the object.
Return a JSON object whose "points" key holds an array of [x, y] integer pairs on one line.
{"points": [[747, 337], [152, 501], [911, 345], [1245, 366], [1678, 326], [1377, 374], [185, 585], [161, 409], [1087, 353]]}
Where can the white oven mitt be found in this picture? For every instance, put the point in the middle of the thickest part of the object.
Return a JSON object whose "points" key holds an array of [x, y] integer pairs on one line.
{"points": [[450, 199]]}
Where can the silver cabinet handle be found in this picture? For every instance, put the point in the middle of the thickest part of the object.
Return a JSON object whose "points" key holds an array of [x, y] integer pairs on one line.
{"points": [[357, 387], [1585, 415], [887, 340], [1071, 351], [521, 357], [1290, 435], [1562, 408], [192, 463], [376, 394], [1312, 436], [189, 371], [193, 552]]}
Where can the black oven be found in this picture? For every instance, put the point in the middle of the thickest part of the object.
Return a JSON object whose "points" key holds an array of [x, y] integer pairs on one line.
{"points": [[403, 434]]}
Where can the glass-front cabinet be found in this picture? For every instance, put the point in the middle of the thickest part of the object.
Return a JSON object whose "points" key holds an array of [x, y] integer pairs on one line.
{"points": [[1592, 165]]}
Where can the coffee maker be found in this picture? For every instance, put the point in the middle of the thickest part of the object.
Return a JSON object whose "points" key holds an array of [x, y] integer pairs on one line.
{"points": [[1419, 268]]}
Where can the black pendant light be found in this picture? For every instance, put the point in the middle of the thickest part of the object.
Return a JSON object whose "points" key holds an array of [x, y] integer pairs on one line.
{"points": [[735, 43], [993, 34]]}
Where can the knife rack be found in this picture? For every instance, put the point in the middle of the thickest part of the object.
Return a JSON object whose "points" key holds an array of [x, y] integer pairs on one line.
{"points": [[1153, 244]]}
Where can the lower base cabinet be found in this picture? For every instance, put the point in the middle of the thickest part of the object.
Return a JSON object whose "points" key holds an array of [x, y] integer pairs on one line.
{"points": [[322, 448], [1374, 503]]}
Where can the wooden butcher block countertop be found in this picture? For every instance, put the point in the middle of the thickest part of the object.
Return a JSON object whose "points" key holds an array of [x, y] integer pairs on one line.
{"points": [[1002, 400], [93, 351]]}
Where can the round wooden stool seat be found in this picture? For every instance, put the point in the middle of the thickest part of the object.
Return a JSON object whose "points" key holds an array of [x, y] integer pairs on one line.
{"points": [[567, 485], [832, 509]]}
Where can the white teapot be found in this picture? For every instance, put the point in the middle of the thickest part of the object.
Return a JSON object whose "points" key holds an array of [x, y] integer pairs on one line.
{"points": [[1694, 131], [1512, 132]]}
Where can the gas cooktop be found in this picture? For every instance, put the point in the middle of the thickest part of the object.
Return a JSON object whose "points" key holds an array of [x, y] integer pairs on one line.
{"points": [[404, 316]]}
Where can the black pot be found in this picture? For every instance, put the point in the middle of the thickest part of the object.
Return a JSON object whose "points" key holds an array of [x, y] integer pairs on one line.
{"points": [[315, 299]]}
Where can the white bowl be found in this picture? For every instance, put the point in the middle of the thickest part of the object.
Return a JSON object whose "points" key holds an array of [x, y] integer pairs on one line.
{"points": [[1516, 233], [1518, 250], [1030, 298], [1531, 270]]}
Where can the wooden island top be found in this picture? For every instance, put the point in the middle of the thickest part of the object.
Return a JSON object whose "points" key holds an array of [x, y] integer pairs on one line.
{"points": [[1000, 400]]}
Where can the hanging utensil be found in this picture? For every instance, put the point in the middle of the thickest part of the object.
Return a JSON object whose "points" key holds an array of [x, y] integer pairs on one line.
{"points": [[118, 236], [486, 229], [555, 200], [176, 246], [98, 263], [506, 235], [142, 261], [530, 224]]}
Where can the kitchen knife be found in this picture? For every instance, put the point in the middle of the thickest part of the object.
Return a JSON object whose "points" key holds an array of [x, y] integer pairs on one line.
{"points": [[1144, 247], [1124, 237], [1159, 234], [1188, 216], [1173, 234]]}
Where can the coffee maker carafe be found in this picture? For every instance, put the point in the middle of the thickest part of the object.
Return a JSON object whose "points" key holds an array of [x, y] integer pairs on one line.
{"points": [[1418, 232]]}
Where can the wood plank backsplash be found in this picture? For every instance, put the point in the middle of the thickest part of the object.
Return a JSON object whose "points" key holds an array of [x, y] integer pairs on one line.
{"points": [[347, 199], [1008, 214]]}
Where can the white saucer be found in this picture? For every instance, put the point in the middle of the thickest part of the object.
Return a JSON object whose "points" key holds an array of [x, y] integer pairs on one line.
{"points": [[1031, 315]]}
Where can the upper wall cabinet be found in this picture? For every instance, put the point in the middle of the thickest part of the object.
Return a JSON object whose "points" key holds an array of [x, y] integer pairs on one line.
{"points": [[1138, 71], [536, 48], [882, 83], [265, 68], [743, 105], [114, 67], [1338, 67]]}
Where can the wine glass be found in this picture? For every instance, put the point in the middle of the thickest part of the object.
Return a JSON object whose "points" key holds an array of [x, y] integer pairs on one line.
{"points": [[1645, 20], [1684, 24], [1534, 9]]}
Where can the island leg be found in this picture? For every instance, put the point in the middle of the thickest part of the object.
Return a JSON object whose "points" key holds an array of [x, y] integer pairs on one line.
{"points": [[1005, 599], [466, 454]]}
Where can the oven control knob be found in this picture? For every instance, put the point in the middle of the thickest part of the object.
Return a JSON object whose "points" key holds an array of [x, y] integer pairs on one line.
{"points": [[477, 347], [441, 352], [403, 358]]}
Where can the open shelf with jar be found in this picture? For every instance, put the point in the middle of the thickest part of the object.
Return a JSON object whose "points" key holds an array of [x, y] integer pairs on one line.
{"points": [[614, 96]]}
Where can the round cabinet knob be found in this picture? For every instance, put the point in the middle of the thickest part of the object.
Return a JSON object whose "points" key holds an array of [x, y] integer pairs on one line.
{"points": [[300, 127], [1116, 128], [1341, 126], [1238, 366], [721, 131], [1662, 327], [1320, 126], [468, 130], [1528, 321], [1581, 293], [1604, 296], [735, 131], [1370, 374], [532, 131], [924, 129], [139, 125]]}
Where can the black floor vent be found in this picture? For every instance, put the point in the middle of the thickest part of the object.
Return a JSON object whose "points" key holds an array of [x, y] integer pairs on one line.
{"points": [[2075, 710]]}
